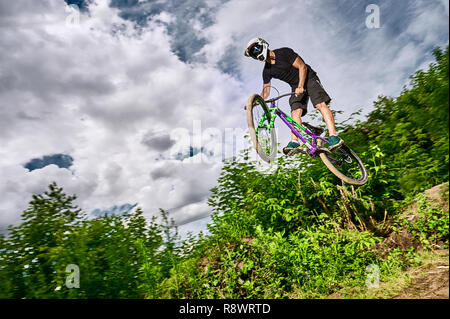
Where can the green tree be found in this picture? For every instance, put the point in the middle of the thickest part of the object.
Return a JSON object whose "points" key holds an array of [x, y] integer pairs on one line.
{"points": [[33, 253]]}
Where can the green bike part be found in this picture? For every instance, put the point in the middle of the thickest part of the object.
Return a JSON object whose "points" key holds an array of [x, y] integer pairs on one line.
{"points": [[264, 119], [301, 129]]}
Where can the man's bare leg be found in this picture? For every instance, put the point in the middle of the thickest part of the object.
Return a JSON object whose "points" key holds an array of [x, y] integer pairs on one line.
{"points": [[334, 141], [328, 117], [296, 116]]}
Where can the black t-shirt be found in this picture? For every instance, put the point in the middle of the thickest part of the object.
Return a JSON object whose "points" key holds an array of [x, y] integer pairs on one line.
{"points": [[283, 68]]}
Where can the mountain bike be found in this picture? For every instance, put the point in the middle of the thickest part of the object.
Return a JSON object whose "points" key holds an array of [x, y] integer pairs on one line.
{"points": [[343, 162]]}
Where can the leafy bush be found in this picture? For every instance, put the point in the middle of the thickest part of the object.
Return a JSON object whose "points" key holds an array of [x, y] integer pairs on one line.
{"points": [[432, 225]]}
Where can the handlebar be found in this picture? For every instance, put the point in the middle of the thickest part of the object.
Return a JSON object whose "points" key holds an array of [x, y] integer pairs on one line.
{"points": [[279, 97]]}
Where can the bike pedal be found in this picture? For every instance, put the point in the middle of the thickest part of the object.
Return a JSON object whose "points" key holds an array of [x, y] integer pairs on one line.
{"points": [[316, 130]]}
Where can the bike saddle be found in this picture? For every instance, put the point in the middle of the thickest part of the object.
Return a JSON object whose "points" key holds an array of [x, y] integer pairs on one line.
{"points": [[316, 130]]}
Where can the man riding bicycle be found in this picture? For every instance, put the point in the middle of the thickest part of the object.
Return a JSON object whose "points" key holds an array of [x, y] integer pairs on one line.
{"points": [[286, 65]]}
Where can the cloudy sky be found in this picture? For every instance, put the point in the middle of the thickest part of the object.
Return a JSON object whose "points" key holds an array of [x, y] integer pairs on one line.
{"points": [[129, 102]]}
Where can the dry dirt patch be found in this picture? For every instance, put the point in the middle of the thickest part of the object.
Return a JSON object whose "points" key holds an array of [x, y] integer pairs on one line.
{"points": [[430, 281]]}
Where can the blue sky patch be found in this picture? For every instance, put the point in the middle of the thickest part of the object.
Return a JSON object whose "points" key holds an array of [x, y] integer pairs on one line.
{"points": [[82, 4], [114, 210], [60, 160]]}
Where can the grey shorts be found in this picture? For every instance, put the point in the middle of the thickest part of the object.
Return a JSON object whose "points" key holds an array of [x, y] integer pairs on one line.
{"points": [[313, 90]]}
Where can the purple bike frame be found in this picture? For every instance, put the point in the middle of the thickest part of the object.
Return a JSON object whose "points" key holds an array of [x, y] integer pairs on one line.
{"points": [[313, 147]]}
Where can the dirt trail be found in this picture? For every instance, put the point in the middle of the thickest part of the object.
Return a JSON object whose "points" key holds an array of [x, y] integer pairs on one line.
{"points": [[430, 281]]}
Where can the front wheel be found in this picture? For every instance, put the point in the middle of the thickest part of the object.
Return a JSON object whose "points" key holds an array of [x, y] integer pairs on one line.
{"points": [[263, 136], [345, 164]]}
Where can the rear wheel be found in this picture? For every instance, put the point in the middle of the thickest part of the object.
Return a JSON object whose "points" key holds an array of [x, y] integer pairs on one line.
{"points": [[345, 164], [258, 119]]}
